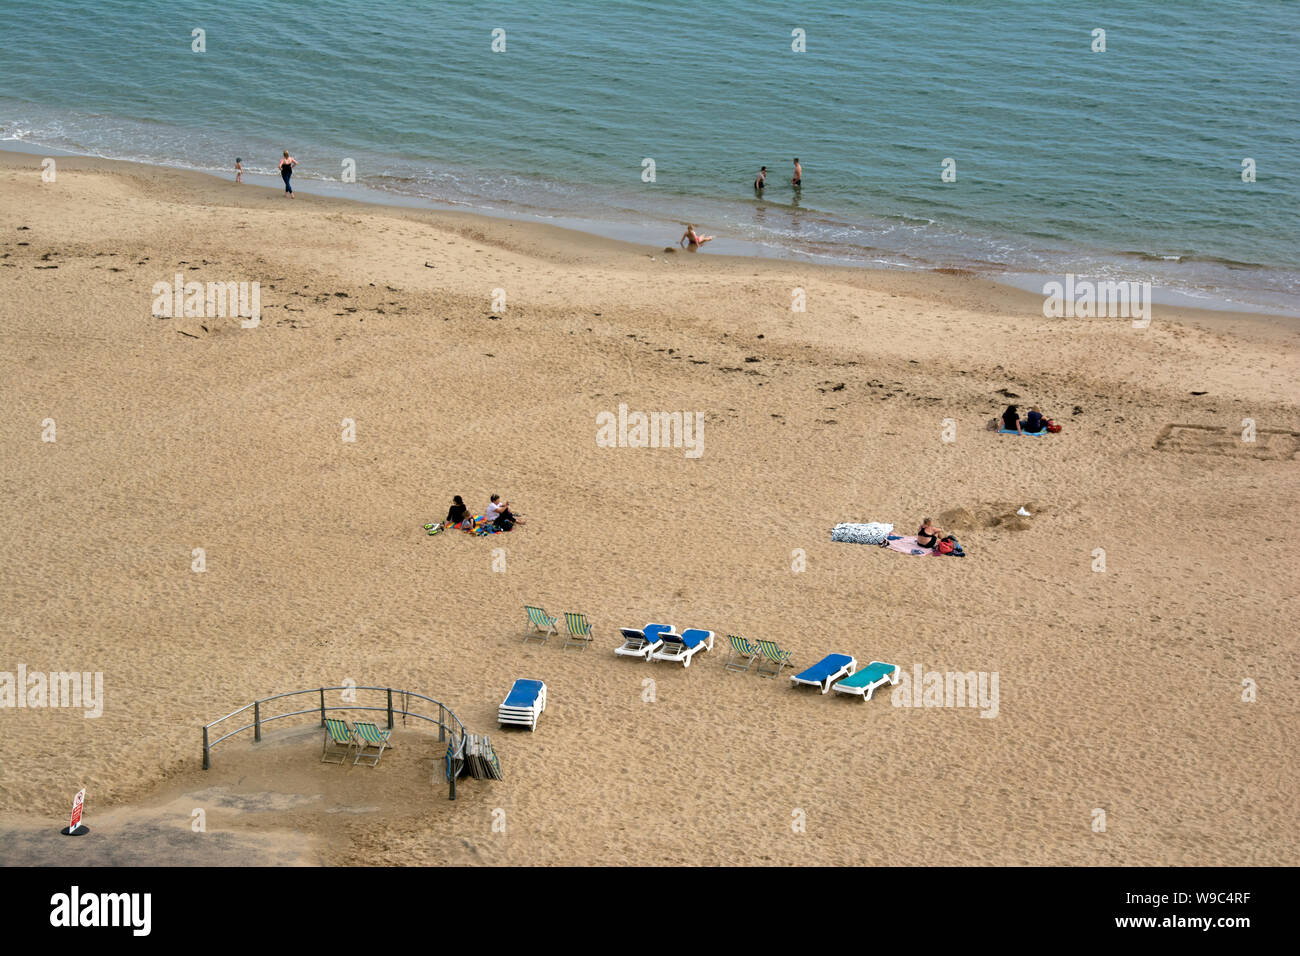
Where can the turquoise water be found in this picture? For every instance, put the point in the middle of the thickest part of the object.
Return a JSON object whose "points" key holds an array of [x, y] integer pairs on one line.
{"points": [[1122, 164]]}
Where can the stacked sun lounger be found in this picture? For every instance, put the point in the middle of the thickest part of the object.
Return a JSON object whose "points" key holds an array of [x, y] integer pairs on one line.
{"points": [[524, 704]]}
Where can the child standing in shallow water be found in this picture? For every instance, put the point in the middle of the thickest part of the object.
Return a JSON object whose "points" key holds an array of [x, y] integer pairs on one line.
{"points": [[239, 170]]}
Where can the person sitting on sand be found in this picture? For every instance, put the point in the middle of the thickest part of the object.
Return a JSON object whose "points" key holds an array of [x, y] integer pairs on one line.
{"points": [[928, 535], [1034, 421], [455, 515], [694, 238], [493, 510], [498, 515], [1011, 420]]}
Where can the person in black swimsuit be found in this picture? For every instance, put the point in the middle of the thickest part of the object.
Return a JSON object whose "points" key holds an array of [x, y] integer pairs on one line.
{"points": [[286, 170], [928, 535], [797, 179]]}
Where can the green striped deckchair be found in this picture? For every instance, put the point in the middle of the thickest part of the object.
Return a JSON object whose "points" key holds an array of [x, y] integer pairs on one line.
{"points": [[769, 652], [338, 741], [539, 622], [370, 737], [578, 628], [741, 650]]}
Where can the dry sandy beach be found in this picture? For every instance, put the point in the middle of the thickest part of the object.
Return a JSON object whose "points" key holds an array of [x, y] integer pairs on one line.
{"points": [[1120, 690]]}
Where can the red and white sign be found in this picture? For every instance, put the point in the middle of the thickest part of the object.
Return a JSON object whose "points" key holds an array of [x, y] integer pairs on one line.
{"points": [[76, 809]]}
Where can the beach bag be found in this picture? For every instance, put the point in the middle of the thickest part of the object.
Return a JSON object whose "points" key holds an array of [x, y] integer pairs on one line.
{"points": [[1053, 427], [945, 546]]}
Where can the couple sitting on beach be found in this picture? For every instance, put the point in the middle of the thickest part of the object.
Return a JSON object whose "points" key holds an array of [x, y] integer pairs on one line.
{"points": [[497, 517], [1032, 424]]}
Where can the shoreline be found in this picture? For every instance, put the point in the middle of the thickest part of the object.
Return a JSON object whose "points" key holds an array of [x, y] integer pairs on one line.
{"points": [[1013, 289]]}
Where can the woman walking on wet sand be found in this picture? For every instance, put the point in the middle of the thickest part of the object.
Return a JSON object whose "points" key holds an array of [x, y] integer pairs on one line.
{"points": [[286, 170]]}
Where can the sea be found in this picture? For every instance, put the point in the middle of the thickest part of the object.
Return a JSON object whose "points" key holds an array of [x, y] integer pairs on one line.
{"points": [[1141, 140]]}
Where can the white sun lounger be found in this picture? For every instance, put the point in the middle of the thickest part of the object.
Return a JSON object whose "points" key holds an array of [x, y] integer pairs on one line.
{"points": [[865, 681], [682, 647]]}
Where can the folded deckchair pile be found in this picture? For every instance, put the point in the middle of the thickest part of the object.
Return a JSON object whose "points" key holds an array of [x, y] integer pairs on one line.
{"points": [[873, 532], [481, 761]]}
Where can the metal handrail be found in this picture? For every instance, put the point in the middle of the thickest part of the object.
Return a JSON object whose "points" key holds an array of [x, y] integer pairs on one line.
{"points": [[456, 750]]}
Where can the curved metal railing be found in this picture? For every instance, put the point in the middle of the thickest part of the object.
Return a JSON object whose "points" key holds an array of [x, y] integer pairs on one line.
{"points": [[446, 720]]}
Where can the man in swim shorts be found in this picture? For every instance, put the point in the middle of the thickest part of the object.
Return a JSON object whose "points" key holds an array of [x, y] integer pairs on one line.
{"points": [[797, 179]]}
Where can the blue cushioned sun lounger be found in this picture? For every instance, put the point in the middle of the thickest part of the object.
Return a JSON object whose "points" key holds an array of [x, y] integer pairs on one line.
{"points": [[826, 671], [642, 643], [682, 647]]}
